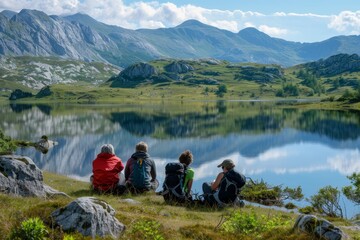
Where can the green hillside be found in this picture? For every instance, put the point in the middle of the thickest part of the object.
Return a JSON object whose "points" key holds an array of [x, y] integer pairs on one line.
{"points": [[335, 78]]}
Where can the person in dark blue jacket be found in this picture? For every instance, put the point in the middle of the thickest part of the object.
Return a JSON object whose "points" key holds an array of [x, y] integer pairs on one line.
{"points": [[140, 171]]}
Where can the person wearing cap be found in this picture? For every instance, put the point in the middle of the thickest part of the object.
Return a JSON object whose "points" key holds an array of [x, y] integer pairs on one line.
{"points": [[106, 169], [225, 188]]}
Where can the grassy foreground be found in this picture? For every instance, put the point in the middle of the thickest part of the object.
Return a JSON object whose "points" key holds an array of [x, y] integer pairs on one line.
{"points": [[153, 219]]}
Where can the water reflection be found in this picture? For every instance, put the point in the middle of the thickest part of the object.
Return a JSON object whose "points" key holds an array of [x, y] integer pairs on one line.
{"points": [[290, 146]]}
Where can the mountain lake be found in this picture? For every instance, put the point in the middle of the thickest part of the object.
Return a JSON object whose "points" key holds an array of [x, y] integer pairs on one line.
{"points": [[271, 141]]}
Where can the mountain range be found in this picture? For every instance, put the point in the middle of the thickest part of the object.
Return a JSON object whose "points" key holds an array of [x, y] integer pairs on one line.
{"points": [[78, 36]]}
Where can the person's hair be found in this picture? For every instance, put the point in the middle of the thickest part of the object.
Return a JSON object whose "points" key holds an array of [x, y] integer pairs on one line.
{"points": [[107, 148], [141, 147], [186, 158]]}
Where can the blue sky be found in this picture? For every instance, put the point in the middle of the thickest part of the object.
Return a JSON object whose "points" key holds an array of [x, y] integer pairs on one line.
{"points": [[293, 20], [271, 6]]}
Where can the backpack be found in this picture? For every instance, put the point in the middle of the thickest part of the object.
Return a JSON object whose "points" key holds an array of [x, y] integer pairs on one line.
{"points": [[230, 187], [173, 184], [140, 180]]}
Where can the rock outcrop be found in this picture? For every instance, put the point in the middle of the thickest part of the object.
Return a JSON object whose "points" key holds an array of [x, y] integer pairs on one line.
{"points": [[20, 176], [44, 92], [178, 67], [318, 227], [17, 94], [90, 217], [138, 71]]}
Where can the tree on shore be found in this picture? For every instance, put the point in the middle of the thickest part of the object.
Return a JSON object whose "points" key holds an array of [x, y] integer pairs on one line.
{"points": [[353, 192]]}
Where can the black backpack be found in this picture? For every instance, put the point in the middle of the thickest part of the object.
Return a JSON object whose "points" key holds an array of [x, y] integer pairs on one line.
{"points": [[230, 186], [173, 190]]}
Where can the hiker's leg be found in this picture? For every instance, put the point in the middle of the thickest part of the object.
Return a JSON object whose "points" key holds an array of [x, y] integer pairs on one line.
{"points": [[206, 187], [119, 189]]}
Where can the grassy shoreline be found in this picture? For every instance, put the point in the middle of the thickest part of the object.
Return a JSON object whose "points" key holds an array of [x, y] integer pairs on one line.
{"points": [[173, 222]]}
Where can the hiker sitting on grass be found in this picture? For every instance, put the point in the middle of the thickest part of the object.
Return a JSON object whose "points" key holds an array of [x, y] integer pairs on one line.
{"points": [[106, 169], [186, 158], [178, 180], [140, 171], [225, 188]]}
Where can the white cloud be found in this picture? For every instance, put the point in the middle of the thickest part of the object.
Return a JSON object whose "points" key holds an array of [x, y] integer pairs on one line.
{"points": [[273, 31], [282, 14], [228, 25], [346, 163], [272, 154], [249, 24], [346, 21]]}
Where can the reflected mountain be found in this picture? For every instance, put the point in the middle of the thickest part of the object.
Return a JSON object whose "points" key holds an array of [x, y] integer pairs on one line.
{"points": [[340, 125], [210, 130]]}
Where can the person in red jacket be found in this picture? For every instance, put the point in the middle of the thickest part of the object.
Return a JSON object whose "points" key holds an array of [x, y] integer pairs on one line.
{"points": [[106, 169]]}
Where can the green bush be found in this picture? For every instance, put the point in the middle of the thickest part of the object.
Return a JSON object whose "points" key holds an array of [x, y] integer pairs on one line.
{"points": [[68, 237], [222, 89], [6, 144], [31, 229], [147, 229], [290, 205], [263, 193], [307, 210], [241, 222]]}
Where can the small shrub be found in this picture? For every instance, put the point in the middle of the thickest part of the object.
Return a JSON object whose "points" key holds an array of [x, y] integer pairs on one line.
{"points": [[263, 193], [147, 229], [290, 205], [222, 89], [31, 229], [251, 224], [306, 210], [6, 144], [280, 93], [68, 237]]}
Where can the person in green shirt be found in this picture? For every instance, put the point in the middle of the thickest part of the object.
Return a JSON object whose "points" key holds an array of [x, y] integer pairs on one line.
{"points": [[186, 158]]}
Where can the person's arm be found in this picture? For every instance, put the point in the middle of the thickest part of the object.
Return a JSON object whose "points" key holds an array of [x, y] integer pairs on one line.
{"points": [[127, 169], [153, 171], [216, 183], [190, 179], [189, 185], [120, 165]]}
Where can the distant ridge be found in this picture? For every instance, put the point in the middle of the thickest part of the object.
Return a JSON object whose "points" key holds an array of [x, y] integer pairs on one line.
{"points": [[78, 36]]}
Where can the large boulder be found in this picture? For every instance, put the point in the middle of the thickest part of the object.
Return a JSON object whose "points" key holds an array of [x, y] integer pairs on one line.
{"points": [[20, 176], [178, 67], [318, 227], [138, 71], [90, 217]]}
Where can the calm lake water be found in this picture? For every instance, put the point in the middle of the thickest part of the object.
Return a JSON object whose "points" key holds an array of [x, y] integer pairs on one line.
{"points": [[281, 145]]}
